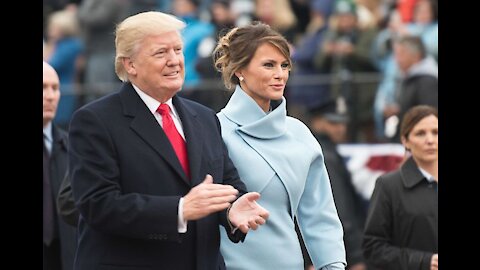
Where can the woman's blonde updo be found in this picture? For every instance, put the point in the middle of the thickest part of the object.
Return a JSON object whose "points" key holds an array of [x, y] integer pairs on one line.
{"points": [[235, 50]]}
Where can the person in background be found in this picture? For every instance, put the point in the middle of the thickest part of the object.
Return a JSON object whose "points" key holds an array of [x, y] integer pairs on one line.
{"points": [[401, 230], [223, 20], [329, 125], [193, 34], [58, 237], [215, 97], [345, 54], [279, 15], [150, 174], [301, 93], [50, 6], [63, 51], [276, 156], [424, 25], [97, 21], [418, 83]]}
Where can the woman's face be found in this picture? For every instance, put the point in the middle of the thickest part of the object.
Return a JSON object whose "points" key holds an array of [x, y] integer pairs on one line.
{"points": [[266, 75], [423, 140]]}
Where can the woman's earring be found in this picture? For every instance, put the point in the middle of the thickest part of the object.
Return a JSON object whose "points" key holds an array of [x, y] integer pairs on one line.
{"points": [[241, 78]]}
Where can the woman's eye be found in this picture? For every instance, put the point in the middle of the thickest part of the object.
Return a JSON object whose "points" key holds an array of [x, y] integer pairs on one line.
{"points": [[286, 65], [420, 133], [268, 64]]}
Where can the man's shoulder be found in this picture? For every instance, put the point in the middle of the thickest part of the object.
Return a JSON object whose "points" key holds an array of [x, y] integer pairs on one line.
{"points": [[422, 78], [103, 103], [59, 132]]}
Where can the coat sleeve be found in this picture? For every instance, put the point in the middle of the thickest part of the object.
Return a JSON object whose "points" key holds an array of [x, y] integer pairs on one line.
{"points": [[377, 243], [318, 219]]}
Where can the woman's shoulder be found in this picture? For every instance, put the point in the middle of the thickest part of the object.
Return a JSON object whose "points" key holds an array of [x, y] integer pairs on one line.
{"points": [[298, 128], [303, 137], [224, 121], [227, 126], [390, 180]]}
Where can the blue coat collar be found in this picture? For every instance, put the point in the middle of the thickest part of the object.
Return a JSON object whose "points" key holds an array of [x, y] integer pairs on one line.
{"points": [[252, 120]]}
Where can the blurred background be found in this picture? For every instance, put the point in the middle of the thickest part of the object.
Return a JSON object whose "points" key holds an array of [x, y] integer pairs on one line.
{"points": [[342, 49]]}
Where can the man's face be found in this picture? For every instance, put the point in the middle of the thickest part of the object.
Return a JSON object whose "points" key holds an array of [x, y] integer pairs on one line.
{"points": [[337, 131], [158, 66], [51, 93], [405, 58]]}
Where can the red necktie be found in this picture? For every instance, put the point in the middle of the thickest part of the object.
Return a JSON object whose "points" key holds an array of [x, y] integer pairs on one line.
{"points": [[174, 136]]}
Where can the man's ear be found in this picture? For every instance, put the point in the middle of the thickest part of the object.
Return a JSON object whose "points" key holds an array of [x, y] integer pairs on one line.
{"points": [[129, 65]]}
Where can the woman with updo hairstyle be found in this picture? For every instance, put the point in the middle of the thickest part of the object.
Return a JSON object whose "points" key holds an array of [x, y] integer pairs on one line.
{"points": [[275, 155], [401, 230]]}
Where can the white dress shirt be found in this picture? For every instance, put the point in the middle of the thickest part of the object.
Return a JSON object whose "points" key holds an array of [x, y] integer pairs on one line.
{"points": [[152, 105], [48, 137], [429, 177]]}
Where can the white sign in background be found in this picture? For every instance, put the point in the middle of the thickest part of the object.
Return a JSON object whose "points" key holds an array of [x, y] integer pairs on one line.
{"points": [[366, 162]]}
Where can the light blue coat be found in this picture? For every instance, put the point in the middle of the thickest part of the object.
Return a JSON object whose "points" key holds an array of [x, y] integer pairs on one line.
{"points": [[278, 157]]}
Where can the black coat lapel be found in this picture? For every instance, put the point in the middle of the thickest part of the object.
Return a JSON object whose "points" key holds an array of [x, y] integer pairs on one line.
{"points": [[147, 127], [59, 138], [193, 135], [58, 157]]}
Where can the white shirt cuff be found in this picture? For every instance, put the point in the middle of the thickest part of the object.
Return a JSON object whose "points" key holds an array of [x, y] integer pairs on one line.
{"points": [[182, 224]]}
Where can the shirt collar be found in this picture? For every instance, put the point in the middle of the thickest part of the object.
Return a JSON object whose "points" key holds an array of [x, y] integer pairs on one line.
{"points": [[428, 176], [411, 175], [47, 132], [152, 103]]}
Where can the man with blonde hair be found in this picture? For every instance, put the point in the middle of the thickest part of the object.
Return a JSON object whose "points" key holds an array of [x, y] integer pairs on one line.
{"points": [[151, 176]]}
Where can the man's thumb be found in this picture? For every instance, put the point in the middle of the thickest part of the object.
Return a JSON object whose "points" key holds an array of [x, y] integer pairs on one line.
{"points": [[208, 179]]}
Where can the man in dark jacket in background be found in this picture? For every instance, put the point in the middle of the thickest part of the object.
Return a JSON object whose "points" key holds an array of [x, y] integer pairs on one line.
{"points": [[418, 81], [58, 237]]}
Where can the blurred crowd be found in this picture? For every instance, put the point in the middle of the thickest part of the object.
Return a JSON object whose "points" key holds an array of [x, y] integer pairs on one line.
{"points": [[347, 50]]}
